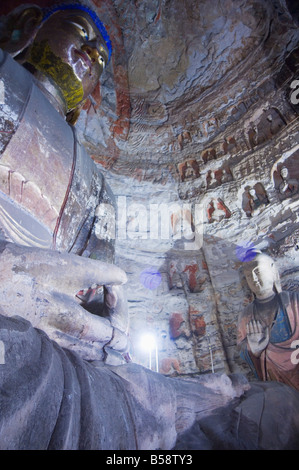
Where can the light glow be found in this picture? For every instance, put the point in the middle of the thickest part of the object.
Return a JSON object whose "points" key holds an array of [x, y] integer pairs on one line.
{"points": [[148, 343]]}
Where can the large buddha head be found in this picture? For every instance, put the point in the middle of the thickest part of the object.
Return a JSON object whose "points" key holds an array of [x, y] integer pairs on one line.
{"points": [[262, 276], [69, 47]]}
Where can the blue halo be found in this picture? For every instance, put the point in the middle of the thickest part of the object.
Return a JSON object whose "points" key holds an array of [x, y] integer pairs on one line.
{"points": [[246, 251], [92, 14], [150, 278]]}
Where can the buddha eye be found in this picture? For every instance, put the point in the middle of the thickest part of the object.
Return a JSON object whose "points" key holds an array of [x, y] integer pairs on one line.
{"points": [[84, 34], [81, 30], [101, 61]]}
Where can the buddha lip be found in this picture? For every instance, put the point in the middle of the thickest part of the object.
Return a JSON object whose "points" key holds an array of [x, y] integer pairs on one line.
{"points": [[85, 57]]}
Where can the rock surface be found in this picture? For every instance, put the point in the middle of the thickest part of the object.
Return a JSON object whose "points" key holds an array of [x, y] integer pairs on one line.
{"points": [[211, 116], [52, 399]]}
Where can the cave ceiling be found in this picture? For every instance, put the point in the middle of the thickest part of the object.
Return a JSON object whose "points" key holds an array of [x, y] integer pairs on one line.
{"points": [[183, 76]]}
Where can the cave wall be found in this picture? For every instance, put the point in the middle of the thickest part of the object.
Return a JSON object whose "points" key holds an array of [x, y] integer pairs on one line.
{"points": [[210, 100]]}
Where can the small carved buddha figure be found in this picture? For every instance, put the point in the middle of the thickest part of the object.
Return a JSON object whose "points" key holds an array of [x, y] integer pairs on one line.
{"points": [[217, 211], [255, 198], [189, 172], [226, 176], [211, 180], [289, 186], [254, 202]]}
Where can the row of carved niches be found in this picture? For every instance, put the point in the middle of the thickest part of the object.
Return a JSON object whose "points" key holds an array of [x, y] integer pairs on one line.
{"points": [[274, 115], [260, 130], [189, 170], [288, 80], [254, 199], [284, 179], [229, 146], [263, 126]]}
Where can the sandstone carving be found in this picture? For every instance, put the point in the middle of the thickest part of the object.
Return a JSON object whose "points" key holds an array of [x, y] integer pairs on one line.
{"points": [[289, 186], [189, 170], [218, 177], [217, 211], [211, 180], [265, 127], [226, 175], [67, 403], [254, 199], [52, 195], [208, 154]]}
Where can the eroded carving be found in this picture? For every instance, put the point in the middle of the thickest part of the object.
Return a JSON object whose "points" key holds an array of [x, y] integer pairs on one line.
{"points": [[289, 186], [217, 211], [189, 170], [254, 199]]}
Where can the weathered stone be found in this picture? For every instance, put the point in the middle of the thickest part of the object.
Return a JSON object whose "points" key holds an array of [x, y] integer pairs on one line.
{"points": [[52, 399]]}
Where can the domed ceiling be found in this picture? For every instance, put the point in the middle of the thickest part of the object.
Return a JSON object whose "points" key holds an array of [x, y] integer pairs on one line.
{"points": [[182, 75]]}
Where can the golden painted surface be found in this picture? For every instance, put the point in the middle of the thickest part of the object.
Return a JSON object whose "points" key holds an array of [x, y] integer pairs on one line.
{"points": [[43, 58]]}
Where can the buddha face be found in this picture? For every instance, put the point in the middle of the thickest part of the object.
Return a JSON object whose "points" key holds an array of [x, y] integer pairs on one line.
{"points": [[260, 275], [284, 172], [71, 52]]}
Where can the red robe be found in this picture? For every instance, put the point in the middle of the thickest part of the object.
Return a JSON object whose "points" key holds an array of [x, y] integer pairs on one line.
{"points": [[278, 361]]}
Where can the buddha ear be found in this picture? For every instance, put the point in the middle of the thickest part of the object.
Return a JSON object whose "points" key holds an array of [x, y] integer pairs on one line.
{"points": [[19, 27], [73, 115], [277, 283]]}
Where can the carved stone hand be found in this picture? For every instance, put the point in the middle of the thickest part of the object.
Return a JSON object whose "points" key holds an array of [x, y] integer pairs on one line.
{"points": [[41, 286], [257, 337]]}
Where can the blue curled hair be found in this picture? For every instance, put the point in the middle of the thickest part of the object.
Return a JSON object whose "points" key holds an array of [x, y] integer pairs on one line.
{"points": [[77, 6]]}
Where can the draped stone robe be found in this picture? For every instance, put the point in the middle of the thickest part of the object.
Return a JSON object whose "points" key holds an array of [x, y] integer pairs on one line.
{"points": [[275, 362], [50, 398], [50, 187]]}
